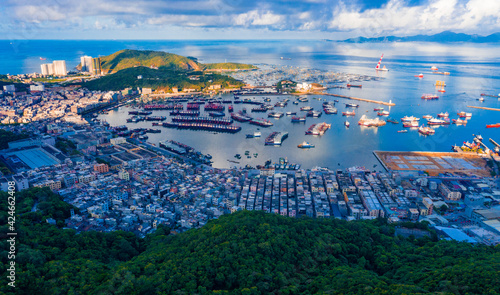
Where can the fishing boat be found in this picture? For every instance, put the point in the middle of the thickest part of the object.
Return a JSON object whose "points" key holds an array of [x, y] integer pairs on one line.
{"points": [[346, 123], [410, 124], [306, 108], [427, 116], [429, 96], [296, 119], [459, 121], [291, 113], [493, 125], [352, 85], [409, 118], [441, 90], [349, 113], [383, 113], [364, 121], [378, 68], [481, 99], [434, 68], [426, 130], [419, 75], [351, 105], [443, 115], [305, 145], [394, 121], [464, 115], [378, 109], [402, 131], [435, 121]]}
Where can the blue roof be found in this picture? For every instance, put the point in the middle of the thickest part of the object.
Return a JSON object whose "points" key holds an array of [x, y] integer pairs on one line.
{"points": [[456, 234]]}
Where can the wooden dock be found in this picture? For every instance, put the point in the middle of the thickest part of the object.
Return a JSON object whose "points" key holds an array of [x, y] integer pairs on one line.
{"points": [[355, 98], [484, 108]]}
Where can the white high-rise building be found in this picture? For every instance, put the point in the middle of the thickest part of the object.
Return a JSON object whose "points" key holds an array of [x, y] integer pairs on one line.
{"points": [[87, 64], [47, 69], [59, 67]]}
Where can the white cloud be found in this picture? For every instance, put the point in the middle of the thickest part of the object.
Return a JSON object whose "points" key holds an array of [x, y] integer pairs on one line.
{"points": [[257, 18]]}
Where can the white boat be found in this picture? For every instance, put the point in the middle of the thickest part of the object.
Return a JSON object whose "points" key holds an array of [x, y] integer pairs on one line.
{"points": [[378, 68], [409, 119], [346, 123], [257, 134]]}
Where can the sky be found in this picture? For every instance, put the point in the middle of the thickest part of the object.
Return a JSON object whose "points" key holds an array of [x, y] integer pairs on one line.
{"points": [[243, 19]]}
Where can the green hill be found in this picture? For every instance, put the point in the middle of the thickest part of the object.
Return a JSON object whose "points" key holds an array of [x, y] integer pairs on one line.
{"points": [[247, 252], [161, 78], [128, 58]]}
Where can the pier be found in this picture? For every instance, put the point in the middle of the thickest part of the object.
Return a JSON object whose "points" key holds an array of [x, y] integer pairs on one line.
{"points": [[484, 108], [354, 98]]}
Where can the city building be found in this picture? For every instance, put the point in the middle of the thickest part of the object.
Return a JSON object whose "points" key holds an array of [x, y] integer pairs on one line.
{"points": [[59, 67], [87, 64], [47, 69]]}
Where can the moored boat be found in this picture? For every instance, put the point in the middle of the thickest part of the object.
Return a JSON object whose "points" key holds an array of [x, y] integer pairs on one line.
{"points": [[305, 145], [426, 130]]}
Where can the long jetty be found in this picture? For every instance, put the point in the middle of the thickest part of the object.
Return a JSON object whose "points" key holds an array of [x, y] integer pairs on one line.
{"points": [[354, 98], [484, 108]]}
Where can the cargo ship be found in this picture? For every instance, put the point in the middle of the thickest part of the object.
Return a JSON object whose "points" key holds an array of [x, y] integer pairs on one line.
{"points": [[363, 121], [305, 145], [435, 121], [276, 138], [459, 121], [349, 113], [189, 113], [261, 122], [318, 129], [464, 115], [296, 119], [221, 121], [240, 117], [426, 130], [430, 96]]}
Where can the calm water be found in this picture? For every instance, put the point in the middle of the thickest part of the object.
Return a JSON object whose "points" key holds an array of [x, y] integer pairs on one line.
{"points": [[474, 70]]}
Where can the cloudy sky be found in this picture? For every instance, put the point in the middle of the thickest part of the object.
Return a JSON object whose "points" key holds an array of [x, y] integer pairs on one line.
{"points": [[243, 19]]}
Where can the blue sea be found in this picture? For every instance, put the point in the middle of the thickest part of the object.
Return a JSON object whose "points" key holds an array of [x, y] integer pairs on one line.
{"points": [[474, 69]]}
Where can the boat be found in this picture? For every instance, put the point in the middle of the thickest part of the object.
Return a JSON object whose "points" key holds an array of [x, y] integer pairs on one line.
{"points": [[42, 58], [443, 115], [402, 131], [378, 68], [493, 125], [295, 102], [464, 115], [434, 68], [143, 137], [318, 129], [394, 121], [257, 134], [351, 105], [427, 116], [383, 113], [436, 121], [364, 121], [216, 114], [352, 85], [484, 94], [305, 145], [378, 109], [276, 138], [409, 118], [430, 96], [230, 109], [410, 124], [314, 114], [296, 119], [426, 130], [261, 122], [250, 136], [419, 75], [441, 90], [275, 115], [349, 113], [291, 113], [481, 99], [330, 110], [285, 58], [346, 123], [459, 121], [240, 117], [306, 108]]}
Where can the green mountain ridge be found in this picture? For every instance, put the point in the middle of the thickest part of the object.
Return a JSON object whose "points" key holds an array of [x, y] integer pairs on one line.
{"points": [[249, 252], [128, 58]]}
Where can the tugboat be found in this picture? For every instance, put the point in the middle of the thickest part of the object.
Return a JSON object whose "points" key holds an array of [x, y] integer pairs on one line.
{"points": [[305, 145]]}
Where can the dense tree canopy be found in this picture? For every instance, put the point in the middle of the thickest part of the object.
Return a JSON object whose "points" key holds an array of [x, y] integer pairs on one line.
{"points": [[246, 253]]}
